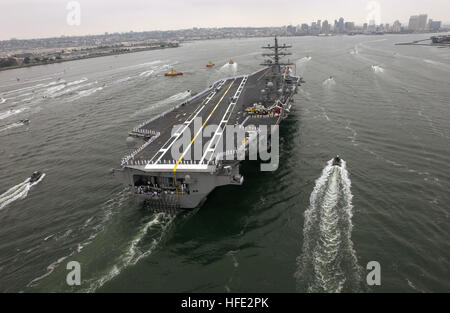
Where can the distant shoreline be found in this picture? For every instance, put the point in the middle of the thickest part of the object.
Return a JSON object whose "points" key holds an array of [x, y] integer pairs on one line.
{"points": [[94, 55]]}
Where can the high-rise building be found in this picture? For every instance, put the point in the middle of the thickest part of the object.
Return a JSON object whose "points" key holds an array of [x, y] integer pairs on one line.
{"points": [[304, 28], [434, 25], [325, 27], [291, 30], [397, 27], [349, 26], [372, 27], [423, 21], [413, 22], [417, 22], [341, 25]]}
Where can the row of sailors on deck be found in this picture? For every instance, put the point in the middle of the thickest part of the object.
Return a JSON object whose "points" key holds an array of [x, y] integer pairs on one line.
{"points": [[155, 191], [146, 131]]}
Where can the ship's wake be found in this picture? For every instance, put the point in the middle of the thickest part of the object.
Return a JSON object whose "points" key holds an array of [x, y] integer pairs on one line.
{"points": [[84, 93], [18, 192], [10, 126], [172, 99], [11, 112], [229, 68], [377, 69], [328, 261], [329, 82], [304, 60], [355, 50], [155, 70], [142, 245]]}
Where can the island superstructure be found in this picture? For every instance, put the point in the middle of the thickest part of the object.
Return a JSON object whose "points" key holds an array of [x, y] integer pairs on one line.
{"points": [[168, 182]]}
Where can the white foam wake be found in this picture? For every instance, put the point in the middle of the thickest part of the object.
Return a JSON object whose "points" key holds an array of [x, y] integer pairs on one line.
{"points": [[377, 69], [329, 82], [54, 89], [122, 80], [10, 112], [147, 73], [85, 93], [155, 70], [10, 126], [70, 90], [109, 208], [230, 68], [304, 60], [18, 192], [172, 99], [77, 82], [355, 50], [137, 248], [328, 261]]}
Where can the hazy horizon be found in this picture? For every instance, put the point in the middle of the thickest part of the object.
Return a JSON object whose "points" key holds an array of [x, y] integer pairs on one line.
{"points": [[26, 19]]}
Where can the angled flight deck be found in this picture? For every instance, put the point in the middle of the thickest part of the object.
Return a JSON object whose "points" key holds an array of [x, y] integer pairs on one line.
{"points": [[169, 175]]}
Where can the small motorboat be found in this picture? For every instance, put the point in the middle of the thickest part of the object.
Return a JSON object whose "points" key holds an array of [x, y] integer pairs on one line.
{"points": [[172, 72], [210, 64], [337, 161], [35, 176], [25, 121], [2, 100], [231, 62]]}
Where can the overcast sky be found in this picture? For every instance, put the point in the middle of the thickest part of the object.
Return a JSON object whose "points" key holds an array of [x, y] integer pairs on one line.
{"points": [[47, 18]]}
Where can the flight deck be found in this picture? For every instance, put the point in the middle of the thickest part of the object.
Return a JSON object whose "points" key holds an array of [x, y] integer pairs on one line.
{"points": [[183, 157]]}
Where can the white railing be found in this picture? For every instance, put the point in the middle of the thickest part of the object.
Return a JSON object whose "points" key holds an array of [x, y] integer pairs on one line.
{"points": [[131, 156]]}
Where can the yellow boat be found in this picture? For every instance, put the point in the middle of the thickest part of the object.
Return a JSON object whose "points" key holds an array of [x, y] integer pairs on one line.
{"points": [[172, 72], [210, 64], [231, 62]]}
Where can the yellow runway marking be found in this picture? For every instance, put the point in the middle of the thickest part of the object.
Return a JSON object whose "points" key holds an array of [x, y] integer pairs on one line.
{"points": [[192, 141], [203, 125]]}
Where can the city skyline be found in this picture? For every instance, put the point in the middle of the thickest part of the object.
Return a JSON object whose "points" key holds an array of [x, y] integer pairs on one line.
{"points": [[99, 16]]}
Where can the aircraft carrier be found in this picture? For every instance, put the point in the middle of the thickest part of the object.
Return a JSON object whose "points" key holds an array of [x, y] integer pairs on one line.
{"points": [[167, 174]]}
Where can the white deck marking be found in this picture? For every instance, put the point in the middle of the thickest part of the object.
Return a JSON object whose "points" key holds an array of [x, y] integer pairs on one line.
{"points": [[221, 127], [201, 128], [186, 124]]}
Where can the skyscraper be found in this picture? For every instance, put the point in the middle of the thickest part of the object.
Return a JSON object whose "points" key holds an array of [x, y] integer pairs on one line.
{"points": [[434, 25], [417, 22], [325, 27], [397, 27], [341, 25], [422, 21]]}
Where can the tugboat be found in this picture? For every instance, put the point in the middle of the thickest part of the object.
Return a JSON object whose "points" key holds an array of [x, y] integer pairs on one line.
{"points": [[172, 72], [35, 176], [210, 64], [231, 62]]}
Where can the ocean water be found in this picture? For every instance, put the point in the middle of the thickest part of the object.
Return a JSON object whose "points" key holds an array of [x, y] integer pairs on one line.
{"points": [[307, 227]]}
